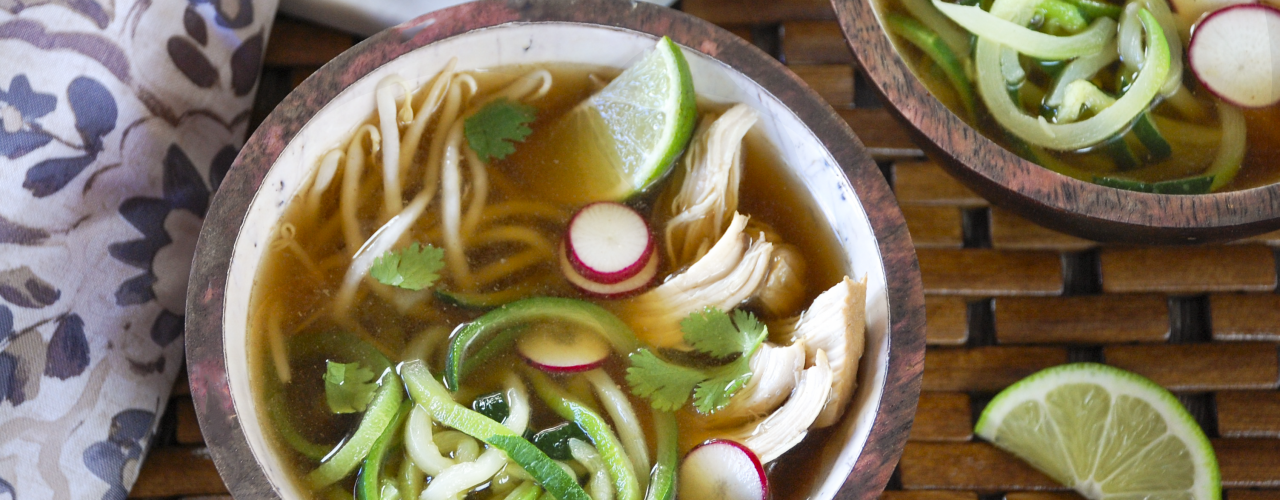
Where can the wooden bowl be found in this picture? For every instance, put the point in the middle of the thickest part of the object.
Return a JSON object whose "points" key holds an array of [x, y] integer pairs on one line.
{"points": [[852, 459], [1038, 194]]}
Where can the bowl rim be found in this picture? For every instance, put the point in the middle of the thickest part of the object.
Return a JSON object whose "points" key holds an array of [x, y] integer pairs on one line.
{"points": [[205, 351], [1047, 197]]}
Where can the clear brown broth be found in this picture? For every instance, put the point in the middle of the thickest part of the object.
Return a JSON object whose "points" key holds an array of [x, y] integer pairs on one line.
{"points": [[769, 193]]}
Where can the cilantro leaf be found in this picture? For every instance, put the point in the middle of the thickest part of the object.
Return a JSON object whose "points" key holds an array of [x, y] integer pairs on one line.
{"points": [[711, 331], [492, 130], [713, 394], [414, 267], [348, 387], [665, 384]]}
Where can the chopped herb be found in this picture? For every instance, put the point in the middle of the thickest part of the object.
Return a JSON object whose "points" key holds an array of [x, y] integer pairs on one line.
{"points": [[348, 387], [711, 331], [414, 267], [665, 384], [492, 131]]}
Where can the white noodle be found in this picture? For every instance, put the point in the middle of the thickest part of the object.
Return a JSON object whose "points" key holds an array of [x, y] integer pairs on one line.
{"points": [[462, 477], [451, 210], [479, 194], [421, 446], [324, 177], [381, 241], [624, 419], [349, 201], [435, 97], [518, 403], [599, 484], [386, 100]]}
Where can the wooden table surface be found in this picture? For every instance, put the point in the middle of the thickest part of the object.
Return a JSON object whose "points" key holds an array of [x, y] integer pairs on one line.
{"points": [[1005, 297]]}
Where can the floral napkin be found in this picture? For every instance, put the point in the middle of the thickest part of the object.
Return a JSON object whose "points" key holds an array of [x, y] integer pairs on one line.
{"points": [[118, 119]]}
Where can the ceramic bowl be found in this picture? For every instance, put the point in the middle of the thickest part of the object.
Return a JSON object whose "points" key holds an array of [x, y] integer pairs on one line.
{"points": [[849, 195], [1038, 194]]}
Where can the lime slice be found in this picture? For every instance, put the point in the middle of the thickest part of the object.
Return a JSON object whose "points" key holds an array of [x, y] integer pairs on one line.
{"points": [[1105, 432], [624, 138]]}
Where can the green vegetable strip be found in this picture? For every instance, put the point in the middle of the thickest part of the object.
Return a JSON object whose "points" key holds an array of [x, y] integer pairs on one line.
{"points": [[936, 49], [526, 491], [1082, 68], [955, 38], [1147, 132], [1094, 9], [293, 438], [1082, 94], [1073, 136], [1028, 41], [1160, 10], [368, 481], [616, 460], [380, 414], [434, 398], [410, 478], [662, 481], [584, 314], [1231, 151], [1064, 15]]}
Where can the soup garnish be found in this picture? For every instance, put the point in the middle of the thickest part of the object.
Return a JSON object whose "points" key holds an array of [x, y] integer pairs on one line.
{"points": [[1105, 92], [439, 320]]}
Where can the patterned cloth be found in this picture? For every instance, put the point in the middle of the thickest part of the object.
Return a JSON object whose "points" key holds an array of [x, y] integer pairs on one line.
{"points": [[118, 119]]}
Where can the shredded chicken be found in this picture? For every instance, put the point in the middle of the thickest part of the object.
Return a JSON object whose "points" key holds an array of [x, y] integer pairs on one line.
{"points": [[709, 193], [782, 292], [724, 277], [786, 427], [835, 323], [775, 370]]}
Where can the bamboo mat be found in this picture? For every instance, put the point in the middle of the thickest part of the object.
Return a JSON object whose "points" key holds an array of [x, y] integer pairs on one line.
{"points": [[1004, 297]]}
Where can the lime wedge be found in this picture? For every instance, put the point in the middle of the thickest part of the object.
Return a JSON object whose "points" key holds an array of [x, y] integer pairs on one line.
{"points": [[624, 138], [1107, 433]]}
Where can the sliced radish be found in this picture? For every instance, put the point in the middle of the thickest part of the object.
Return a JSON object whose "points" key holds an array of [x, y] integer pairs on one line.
{"points": [[722, 469], [608, 242], [1235, 52], [562, 349], [1187, 12], [614, 290]]}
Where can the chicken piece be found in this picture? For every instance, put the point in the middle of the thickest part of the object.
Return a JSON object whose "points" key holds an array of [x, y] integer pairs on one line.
{"points": [[835, 323], [727, 275], [775, 370], [786, 427], [782, 291], [709, 192]]}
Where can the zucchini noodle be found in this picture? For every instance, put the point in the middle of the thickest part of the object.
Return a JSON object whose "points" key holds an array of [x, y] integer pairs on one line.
{"points": [[955, 39], [598, 486], [624, 418], [518, 402], [1082, 68], [420, 444], [1073, 136], [1231, 151], [460, 478], [1028, 41]]}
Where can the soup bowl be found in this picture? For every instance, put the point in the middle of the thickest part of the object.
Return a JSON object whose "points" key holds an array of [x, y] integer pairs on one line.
{"points": [[849, 200], [1053, 200]]}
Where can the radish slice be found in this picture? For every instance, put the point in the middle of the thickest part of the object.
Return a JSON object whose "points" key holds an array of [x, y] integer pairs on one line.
{"points": [[723, 469], [608, 242], [1235, 52], [610, 291], [1187, 12], [558, 348]]}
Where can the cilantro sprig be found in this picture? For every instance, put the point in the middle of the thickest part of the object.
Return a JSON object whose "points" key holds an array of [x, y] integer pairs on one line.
{"points": [[348, 387], [712, 332], [414, 267], [492, 131]]}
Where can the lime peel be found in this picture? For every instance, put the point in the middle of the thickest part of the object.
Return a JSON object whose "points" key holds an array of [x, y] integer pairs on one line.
{"points": [[1048, 448]]}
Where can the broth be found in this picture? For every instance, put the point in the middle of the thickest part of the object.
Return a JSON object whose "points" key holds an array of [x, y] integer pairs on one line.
{"points": [[1190, 156], [303, 271]]}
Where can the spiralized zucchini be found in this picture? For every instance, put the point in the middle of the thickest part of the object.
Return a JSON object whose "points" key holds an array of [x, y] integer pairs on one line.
{"points": [[1028, 41], [1072, 136]]}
